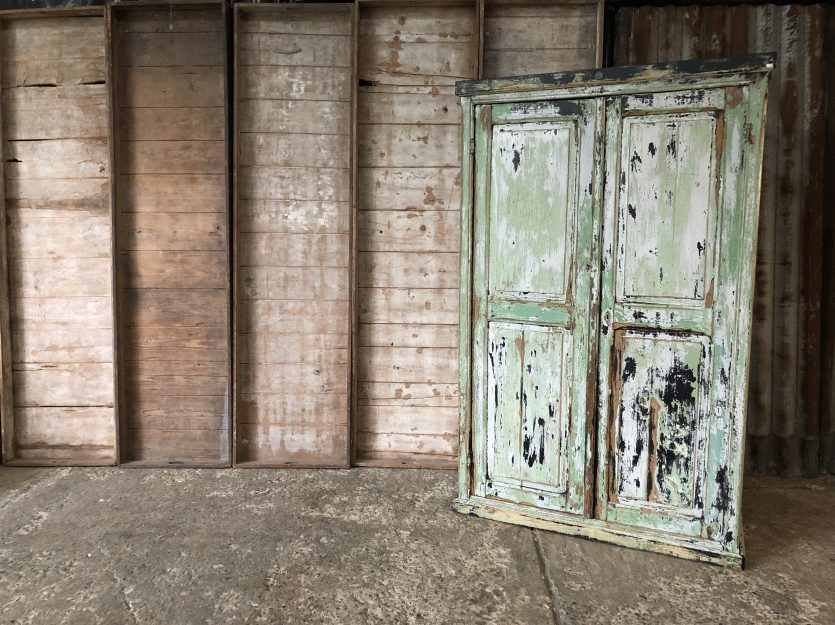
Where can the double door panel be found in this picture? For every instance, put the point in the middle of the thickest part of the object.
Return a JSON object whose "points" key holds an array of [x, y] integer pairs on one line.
{"points": [[602, 309]]}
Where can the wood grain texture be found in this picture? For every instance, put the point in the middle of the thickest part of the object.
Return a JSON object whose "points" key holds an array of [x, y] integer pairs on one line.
{"points": [[172, 234], [537, 37], [58, 235], [293, 147], [409, 152]]}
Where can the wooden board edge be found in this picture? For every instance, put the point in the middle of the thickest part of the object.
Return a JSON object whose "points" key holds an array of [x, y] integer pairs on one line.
{"points": [[406, 461], [62, 462], [232, 172], [623, 536], [353, 306], [7, 436]]}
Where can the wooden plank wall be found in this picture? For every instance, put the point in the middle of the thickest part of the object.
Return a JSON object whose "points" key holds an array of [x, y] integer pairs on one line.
{"points": [[786, 416], [57, 201], [407, 230], [169, 66], [295, 68], [539, 37]]}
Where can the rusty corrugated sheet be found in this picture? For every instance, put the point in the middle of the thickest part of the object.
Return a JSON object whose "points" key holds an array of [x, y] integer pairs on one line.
{"points": [[787, 417]]}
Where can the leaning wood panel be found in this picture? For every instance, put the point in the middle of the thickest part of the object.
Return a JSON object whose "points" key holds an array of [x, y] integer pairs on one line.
{"points": [[293, 162], [58, 401], [169, 90], [407, 230], [538, 37]]}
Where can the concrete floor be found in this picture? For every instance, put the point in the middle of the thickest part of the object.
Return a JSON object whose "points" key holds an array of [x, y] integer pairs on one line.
{"points": [[181, 546]]}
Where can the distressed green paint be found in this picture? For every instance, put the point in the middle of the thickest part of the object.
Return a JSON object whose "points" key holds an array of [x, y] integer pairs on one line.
{"points": [[689, 329]]}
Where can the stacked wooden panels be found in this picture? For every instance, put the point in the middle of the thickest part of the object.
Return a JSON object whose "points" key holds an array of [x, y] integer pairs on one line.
{"points": [[533, 37], [408, 230], [58, 235], [172, 222], [295, 66]]}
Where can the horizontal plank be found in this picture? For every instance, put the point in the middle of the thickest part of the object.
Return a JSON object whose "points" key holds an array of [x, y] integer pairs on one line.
{"points": [[418, 421], [325, 117], [48, 427], [408, 105], [293, 216], [407, 145], [294, 445], [294, 150], [52, 38], [282, 49], [425, 270], [294, 283], [548, 27], [511, 63], [433, 306], [173, 384], [63, 384], [29, 235], [32, 344], [171, 270], [407, 335], [288, 250], [33, 100], [173, 124], [54, 72], [407, 394], [57, 158], [408, 443], [417, 24], [172, 193], [409, 460], [289, 317], [182, 232], [72, 120], [290, 183], [408, 231], [144, 405], [174, 307], [82, 195], [181, 18], [170, 48], [407, 364], [424, 188], [323, 410], [416, 63], [334, 21], [60, 277], [54, 312], [185, 369], [208, 344], [294, 377], [265, 347], [187, 418], [186, 86], [295, 83], [173, 157], [176, 446]]}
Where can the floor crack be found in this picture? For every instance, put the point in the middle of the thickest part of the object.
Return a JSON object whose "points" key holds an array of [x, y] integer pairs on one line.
{"points": [[546, 575], [125, 599]]}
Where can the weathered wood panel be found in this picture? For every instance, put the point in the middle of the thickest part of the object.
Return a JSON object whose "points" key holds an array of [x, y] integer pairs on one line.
{"points": [[58, 236], [293, 147], [407, 230], [787, 383], [539, 37], [171, 224]]}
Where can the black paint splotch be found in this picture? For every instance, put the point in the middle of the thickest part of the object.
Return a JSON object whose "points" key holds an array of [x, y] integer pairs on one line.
{"points": [[632, 212], [652, 149], [635, 161], [517, 159]]}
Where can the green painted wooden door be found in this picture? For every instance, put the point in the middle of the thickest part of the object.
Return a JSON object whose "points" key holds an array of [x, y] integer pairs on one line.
{"points": [[533, 285], [674, 242]]}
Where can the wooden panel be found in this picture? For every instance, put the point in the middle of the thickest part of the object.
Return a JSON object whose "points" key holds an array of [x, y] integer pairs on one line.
{"points": [[409, 152], [787, 416], [293, 227], [58, 232], [171, 225], [539, 37]]}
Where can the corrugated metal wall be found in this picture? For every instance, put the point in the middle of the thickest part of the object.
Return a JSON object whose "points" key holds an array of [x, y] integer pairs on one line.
{"points": [[791, 399]]}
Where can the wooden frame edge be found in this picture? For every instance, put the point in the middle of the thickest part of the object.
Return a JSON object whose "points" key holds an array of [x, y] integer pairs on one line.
{"points": [[7, 436]]}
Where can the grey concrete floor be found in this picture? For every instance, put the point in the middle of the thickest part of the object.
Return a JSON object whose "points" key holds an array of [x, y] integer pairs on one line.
{"points": [[182, 546]]}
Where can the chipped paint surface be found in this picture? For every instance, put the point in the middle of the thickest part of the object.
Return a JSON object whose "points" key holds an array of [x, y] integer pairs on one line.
{"points": [[632, 404]]}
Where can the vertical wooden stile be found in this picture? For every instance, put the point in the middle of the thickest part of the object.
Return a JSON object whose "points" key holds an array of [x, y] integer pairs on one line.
{"points": [[7, 450]]}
